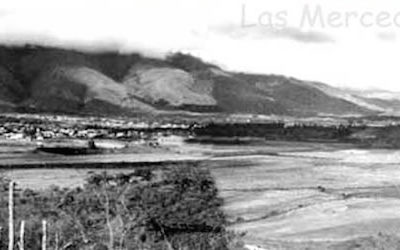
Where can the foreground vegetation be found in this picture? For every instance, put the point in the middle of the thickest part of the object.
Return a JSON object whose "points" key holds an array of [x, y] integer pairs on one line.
{"points": [[176, 208]]}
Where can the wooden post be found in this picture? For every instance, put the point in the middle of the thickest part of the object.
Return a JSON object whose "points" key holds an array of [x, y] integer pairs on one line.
{"points": [[1, 238], [56, 241], [11, 216], [22, 235], [44, 237]]}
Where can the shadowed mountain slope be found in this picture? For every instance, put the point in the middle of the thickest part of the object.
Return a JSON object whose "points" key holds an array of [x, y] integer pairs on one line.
{"points": [[61, 80]]}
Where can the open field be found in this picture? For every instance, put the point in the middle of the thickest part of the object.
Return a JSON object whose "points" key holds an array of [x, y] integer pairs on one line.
{"points": [[283, 195], [313, 198]]}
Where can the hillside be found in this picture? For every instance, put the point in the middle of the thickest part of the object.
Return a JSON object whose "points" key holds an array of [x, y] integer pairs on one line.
{"points": [[163, 86], [300, 98], [59, 80], [72, 89], [11, 91]]}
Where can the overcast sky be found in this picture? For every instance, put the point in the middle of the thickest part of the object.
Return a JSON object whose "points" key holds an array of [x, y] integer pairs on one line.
{"points": [[357, 46]]}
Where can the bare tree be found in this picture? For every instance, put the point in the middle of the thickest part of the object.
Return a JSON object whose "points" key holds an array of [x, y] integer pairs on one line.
{"points": [[108, 220]]}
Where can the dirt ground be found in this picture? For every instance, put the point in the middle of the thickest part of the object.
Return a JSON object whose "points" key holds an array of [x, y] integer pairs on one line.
{"points": [[319, 199]]}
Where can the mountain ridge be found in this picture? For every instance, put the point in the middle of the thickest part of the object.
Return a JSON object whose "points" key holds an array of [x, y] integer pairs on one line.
{"points": [[44, 79]]}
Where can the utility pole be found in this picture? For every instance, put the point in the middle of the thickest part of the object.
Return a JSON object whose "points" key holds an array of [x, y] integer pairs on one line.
{"points": [[11, 216]]}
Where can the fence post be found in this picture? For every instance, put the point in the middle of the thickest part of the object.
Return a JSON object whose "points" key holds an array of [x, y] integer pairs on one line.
{"points": [[44, 237], [22, 235], [1, 238], [56, 241], [11, 216]]}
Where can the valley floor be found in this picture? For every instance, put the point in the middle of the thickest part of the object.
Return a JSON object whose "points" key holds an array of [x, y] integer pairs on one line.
{"points": [[283, 195], [304, 200]]}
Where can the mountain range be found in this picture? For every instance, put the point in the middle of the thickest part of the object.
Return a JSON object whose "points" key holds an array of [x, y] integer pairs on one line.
{"points": [[45, 79]]}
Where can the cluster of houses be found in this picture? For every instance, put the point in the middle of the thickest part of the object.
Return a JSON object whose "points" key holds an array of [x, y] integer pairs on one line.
{"points": [[15, 131], [39, 131]]}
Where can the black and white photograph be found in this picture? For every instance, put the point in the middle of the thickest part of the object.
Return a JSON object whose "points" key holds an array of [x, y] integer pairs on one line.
{"points": [[199, 125]]}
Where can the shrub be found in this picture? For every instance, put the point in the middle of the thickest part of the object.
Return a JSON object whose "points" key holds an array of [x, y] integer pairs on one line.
{"points": [[180, 210]]}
